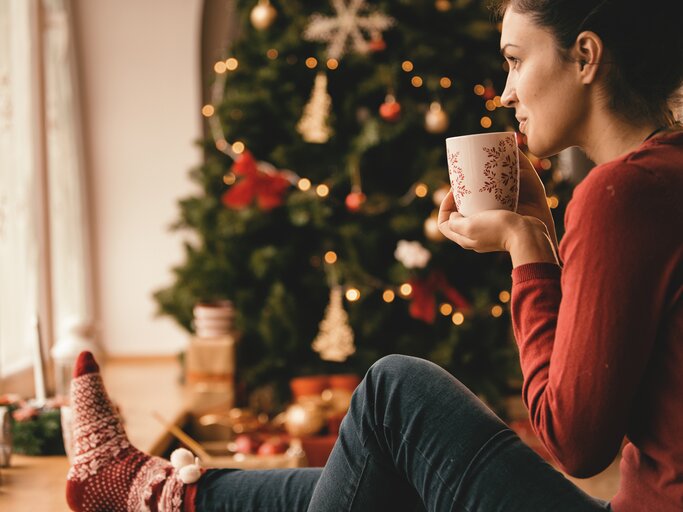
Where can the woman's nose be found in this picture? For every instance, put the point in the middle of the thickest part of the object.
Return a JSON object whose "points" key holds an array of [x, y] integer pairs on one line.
{"points": [[509, 96]]}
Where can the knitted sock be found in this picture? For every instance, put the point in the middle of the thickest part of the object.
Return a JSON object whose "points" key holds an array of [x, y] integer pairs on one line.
{"points": [[108, 473]]}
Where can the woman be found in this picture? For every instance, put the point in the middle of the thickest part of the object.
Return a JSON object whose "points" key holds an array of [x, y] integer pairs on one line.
{"points": [[600, 337]]}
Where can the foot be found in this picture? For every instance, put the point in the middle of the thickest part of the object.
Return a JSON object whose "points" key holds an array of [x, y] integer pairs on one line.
{"points": [[108, 473]]}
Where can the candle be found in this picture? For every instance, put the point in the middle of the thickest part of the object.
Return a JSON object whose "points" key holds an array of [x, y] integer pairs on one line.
{"points": [[38, 374]]}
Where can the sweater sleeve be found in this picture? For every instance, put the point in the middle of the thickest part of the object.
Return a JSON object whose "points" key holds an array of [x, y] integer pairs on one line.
{"points": [[585, 331]]}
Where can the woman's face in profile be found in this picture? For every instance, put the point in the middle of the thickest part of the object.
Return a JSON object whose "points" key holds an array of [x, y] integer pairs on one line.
{"points": [[544, 89]]}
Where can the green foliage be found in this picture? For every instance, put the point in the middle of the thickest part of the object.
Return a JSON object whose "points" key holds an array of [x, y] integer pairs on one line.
{"points": [[269, 263], [41, 435]]}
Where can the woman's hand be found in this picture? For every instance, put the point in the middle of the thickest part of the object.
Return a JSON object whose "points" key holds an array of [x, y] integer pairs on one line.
{"points": [[486, 231], [528, 235]]}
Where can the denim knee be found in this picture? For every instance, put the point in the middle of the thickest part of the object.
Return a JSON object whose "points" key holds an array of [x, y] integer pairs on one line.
{"points": [[396, 364]]}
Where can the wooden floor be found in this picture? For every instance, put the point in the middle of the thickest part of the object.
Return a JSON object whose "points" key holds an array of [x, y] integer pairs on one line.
{"points": [[37, 484]]}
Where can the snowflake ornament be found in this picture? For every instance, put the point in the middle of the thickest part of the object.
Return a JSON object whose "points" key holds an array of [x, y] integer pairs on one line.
{"points": [[349, 24], [412, 254]]}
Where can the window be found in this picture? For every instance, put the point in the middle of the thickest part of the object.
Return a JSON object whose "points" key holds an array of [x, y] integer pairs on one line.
{"points": [[44, 248]]}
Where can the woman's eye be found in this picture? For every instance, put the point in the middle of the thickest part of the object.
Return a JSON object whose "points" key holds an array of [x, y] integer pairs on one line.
{"points": [[512, 61]]}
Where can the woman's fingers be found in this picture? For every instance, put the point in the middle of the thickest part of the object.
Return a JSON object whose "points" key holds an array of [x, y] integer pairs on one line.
{"points": [[447, 207]]}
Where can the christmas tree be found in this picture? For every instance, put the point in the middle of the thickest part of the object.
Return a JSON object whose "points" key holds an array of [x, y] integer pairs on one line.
{"points": [[323, 177]]}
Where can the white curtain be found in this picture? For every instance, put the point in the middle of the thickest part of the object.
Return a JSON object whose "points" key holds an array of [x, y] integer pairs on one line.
{"points": [[66, 180], [44, 248], [19, 171]]}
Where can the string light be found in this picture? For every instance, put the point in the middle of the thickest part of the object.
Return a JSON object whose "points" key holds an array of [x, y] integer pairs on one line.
{"points": [[445, 82], [207, 110], [330, 257], [458, 318], [479, 90], [388, 296], [311, 62], [322, 190], [272, 54], [490, 105], [553, 202], [220, 67], [238, 147], [446, 309], [332, 64], [421, 190], [496, 311], [407, 66], [405, 290], [497, 101], [352, 294], [504, 296], [231, 64], [304, 184], [416, 81], [546, 164], [222, 145], [486, 122], [229, 179]]}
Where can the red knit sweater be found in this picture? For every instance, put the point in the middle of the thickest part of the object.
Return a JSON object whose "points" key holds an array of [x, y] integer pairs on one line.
{"points": [[601, 340]]}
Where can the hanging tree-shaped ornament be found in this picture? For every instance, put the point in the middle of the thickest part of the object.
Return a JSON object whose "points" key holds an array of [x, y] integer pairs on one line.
{"points": [[313, 125], [334, 341]]}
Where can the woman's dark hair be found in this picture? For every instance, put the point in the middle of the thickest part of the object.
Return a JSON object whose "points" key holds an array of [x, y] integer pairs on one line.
{"points": [[643, 47]]}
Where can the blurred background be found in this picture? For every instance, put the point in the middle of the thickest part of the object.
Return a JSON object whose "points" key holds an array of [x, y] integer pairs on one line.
{"points": [[285, 160]]}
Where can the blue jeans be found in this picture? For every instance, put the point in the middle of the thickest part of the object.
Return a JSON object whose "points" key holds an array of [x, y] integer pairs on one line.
{"points": [[414, 439]]}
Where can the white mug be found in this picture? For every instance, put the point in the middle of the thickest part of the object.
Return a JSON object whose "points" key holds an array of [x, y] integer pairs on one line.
{"points": [[484, 171]]}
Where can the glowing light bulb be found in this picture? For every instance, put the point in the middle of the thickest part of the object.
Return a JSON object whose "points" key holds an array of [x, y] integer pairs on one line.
{"points": [[388, 296], [406, 289], [352, 294], [330, 257], [458, 318], [421, 190], [446, 309], [304, 184]]}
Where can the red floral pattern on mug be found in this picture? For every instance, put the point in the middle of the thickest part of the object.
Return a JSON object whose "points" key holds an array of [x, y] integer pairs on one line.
{"points": [[500, 158], [457, 178]]}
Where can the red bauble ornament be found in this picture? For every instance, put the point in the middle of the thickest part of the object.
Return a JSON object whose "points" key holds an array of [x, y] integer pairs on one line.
{"points": [[377, 44], [390, 110], [354, 201]]}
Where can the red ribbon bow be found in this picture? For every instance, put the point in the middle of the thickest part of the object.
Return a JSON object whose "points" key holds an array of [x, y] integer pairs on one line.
{"points": [[268, 189], [423, 304]]}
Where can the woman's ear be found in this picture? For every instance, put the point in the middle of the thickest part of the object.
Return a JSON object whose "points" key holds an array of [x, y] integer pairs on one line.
{"points": [[588, 52]]}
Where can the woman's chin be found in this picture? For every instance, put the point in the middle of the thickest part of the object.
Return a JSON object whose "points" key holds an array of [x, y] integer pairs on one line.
{"points": [[541, 149]]}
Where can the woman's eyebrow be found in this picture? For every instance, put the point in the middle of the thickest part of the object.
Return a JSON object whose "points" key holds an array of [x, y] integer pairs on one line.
{"points": [[502, 50]]}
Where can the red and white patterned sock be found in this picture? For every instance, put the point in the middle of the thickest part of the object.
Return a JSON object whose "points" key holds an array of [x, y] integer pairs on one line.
{"points": [[108, 473]]}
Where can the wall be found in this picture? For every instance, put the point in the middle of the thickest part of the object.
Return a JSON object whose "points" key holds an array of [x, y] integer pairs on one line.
{"points": [[141, 93]]}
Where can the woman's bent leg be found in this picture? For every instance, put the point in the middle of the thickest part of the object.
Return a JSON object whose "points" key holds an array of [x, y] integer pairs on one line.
{"points": [[275, 490], [414, 434]]}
